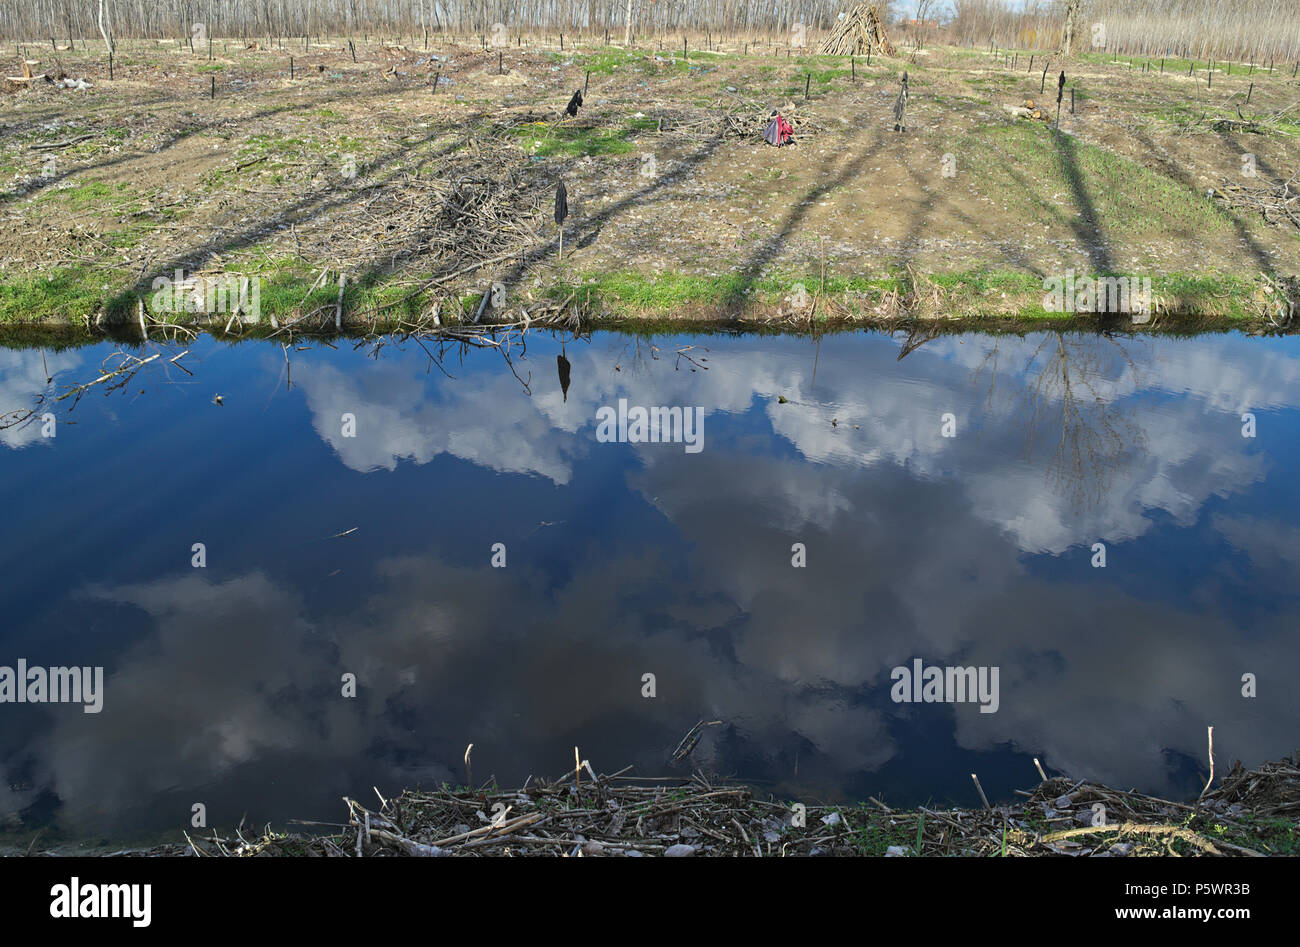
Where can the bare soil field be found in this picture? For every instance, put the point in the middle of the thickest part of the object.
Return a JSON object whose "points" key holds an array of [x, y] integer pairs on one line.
{"points": [[355, 193]]}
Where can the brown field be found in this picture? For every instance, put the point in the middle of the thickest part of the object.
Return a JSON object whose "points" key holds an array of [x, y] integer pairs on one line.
{"points": [[676, 204]]}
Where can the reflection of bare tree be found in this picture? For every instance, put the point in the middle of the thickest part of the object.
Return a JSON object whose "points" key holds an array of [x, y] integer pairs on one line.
{"points": [[1070, 400], [636, 356], [123, 370]]}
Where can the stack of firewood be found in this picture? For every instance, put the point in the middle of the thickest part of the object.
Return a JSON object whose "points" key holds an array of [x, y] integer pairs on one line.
{"points": [[862, 31]]}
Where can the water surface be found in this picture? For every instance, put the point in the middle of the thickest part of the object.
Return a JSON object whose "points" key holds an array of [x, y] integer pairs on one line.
{"points": [[224, 683]]}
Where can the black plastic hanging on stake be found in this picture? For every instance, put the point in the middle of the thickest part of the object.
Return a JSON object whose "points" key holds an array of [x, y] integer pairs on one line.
{"points": [[561, 211], [1060, 91], [562, 364]]}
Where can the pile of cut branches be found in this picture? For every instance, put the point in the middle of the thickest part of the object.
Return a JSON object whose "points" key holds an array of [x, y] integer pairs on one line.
{"points": [[1252, 813], [1278, 203]]}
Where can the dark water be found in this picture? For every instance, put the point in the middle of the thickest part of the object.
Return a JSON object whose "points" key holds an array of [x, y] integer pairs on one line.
{"points": [[223, 684]]}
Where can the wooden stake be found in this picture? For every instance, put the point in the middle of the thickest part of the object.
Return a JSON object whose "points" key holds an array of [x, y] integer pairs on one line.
{"points": [[1210, 751], [338, 306]]}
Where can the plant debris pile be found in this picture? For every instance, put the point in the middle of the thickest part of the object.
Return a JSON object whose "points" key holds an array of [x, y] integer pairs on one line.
{"points": [[1252, 813]]}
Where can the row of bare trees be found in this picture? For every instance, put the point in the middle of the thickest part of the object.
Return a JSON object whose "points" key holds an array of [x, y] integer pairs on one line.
{"points": [[1257, 30], [1254, 30], [64, 19]]}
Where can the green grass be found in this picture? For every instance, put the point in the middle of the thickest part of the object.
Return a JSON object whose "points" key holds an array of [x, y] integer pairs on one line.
{"points": [[64, 294], [611, 62], [67, 295], [256, 145], [1268, 836], [821, 83], [1024, 165], [1173, 66], [972, 293], [92, 194], [873, 832], [549, 140]]}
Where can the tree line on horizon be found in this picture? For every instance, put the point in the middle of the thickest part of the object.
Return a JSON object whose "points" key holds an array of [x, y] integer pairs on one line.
{"points": [[1259, 31]]}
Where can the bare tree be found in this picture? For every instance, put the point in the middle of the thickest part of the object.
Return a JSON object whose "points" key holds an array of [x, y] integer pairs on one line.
{"points": [[105, 32], [1071, 27]]}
